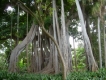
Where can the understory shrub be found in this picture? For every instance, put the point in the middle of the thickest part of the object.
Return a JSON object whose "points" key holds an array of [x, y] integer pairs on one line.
{"points": [[98, 75], [4, 75], [87, 75]]}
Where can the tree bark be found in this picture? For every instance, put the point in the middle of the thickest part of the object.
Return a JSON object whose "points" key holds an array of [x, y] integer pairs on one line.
{"points": [[75, 58], [99, 42], [16, 51], [55, 57], [105, 43], [92, 61]]}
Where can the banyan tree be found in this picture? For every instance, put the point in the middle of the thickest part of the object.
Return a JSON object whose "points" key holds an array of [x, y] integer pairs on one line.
{"points": [[49, 37], [51, 51]]}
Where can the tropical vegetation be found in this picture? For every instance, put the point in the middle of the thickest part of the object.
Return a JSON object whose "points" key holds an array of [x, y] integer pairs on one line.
{"points": [[35, 39]]}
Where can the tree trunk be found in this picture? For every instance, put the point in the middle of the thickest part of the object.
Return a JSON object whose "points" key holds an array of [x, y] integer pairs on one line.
{"points": [[99, 42], [105, 44], [63, 39], [91, 60], [75, 58], [69, 48], [55, 57], [27, 55], [59, 52], [16, 51]]}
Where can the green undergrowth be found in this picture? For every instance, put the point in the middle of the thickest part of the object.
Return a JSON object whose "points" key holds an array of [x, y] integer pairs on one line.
{"points": [[4, 75], [98, 75], [87, 75]]}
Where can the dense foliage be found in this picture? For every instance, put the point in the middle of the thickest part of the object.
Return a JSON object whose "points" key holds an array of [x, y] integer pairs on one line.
{"points": [[26, 76], [98, 75]]}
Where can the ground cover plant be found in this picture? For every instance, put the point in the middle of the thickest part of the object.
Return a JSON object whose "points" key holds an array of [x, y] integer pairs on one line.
{"points": [[85, 75]]}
